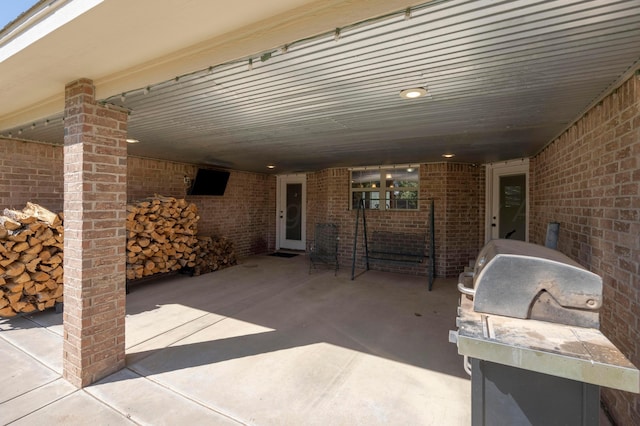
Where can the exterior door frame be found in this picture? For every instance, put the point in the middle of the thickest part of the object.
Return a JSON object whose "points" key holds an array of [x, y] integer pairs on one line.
{"points": [[282, 181], [493, 173]]}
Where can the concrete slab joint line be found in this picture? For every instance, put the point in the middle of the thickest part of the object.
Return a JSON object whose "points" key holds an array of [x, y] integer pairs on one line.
{"points": [[266, 345], [203, 409], [152, 338]]}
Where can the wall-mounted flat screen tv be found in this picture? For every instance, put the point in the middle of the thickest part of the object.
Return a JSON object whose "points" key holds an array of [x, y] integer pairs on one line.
{"points": [[209, 182]]}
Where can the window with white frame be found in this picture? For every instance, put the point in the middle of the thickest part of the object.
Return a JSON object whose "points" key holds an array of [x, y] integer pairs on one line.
{"points": [[386, 188]]}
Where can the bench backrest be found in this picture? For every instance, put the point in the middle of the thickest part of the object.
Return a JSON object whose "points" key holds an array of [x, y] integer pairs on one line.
{"points": [[397, 243]]}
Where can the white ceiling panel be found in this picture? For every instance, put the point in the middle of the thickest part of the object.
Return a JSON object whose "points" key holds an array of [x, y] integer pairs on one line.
{"points": [[503, 79]]}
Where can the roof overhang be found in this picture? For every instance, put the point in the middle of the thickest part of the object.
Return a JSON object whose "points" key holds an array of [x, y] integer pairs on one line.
{"points": [[123, 44]]}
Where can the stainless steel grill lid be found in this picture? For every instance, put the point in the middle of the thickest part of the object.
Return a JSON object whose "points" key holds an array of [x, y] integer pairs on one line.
{"points": [[523, 280]]}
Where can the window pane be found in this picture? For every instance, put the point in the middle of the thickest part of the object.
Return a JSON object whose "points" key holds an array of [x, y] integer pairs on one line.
{"points": [[403, 200], [386, 188], [365, 179], [402, 178], [371, 199]]}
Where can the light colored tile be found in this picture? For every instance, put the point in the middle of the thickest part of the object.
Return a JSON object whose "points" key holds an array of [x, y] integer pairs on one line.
{"points": [[19, 373], [50, 319], [151, 324], [284, 359], [146, 402], [147, 347], [78, 408], [255, 389], [37, 341], [378, 391], [270, 344], [31, 401]]}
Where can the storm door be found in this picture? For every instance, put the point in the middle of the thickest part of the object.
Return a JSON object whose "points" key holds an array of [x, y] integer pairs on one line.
{"points": [[291, 212], [507, 202]]}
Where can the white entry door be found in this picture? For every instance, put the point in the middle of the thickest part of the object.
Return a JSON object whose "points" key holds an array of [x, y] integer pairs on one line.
{"points": [[291, 212], [507, 200]]}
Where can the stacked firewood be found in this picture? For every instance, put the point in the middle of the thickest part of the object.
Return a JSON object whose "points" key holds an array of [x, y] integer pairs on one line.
{"points": [[161, 236], [31, 254], [213, 254]]}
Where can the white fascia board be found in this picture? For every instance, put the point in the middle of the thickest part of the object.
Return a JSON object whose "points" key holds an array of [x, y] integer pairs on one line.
{"points": [[42, 22]]}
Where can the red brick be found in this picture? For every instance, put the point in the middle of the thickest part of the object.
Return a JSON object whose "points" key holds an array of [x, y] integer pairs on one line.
{"points": [[607, 242], [87, 233]]}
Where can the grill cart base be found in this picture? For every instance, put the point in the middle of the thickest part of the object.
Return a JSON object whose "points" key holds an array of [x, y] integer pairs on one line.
{"points": [[503, 395]]}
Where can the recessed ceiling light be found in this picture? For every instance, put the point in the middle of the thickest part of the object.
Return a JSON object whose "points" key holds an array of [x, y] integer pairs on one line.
{"points": [[271, 166], [448, 155], [132, 140], [415, 92]]}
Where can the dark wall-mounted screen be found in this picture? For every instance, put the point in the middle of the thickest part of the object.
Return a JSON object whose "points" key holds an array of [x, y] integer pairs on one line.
{"points": [[209, 182]]}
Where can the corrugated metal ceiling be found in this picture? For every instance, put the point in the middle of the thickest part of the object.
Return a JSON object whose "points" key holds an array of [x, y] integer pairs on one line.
{"points": [[503, 78]]}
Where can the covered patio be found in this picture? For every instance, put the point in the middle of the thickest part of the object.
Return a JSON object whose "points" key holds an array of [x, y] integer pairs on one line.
{"points": [[263, 342], [112, 101]]}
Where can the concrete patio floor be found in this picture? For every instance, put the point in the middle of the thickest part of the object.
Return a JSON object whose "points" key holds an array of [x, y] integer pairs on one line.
{"points": [[263, 342]]}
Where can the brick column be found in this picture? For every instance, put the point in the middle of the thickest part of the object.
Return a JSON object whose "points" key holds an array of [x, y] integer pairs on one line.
{"points": [[95, 176]]}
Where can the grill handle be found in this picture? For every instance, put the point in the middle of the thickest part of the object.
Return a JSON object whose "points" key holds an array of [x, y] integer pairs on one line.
{"points": [[466, 364], [463, 288]]}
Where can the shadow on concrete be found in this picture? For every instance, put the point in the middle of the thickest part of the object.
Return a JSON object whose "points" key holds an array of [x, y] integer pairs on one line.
{"points": [[381, 314]]}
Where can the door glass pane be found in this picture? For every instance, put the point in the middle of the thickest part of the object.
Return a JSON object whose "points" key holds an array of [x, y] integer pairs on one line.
{"points": [[513, 207], [294, 211]]}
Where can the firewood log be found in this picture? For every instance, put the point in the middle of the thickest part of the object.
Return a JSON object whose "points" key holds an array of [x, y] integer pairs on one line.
{"points": [[33, 264], [20, 247], [40, 276], [31, 273], [9, 224], [15, 269], [20, 217], [7, 312], [160, 230], [42, 214], [213, 254], [8, 259]]}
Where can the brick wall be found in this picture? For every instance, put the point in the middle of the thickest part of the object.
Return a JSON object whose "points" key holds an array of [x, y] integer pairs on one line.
{"points": [[588, 180], [245, 214], [433, 184], [464, 216], [317, 193], [146, 177], [30, 172], [458, 194]]}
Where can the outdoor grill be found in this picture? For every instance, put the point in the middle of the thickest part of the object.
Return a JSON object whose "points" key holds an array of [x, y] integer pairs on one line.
{"points": [[528, 327]]}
